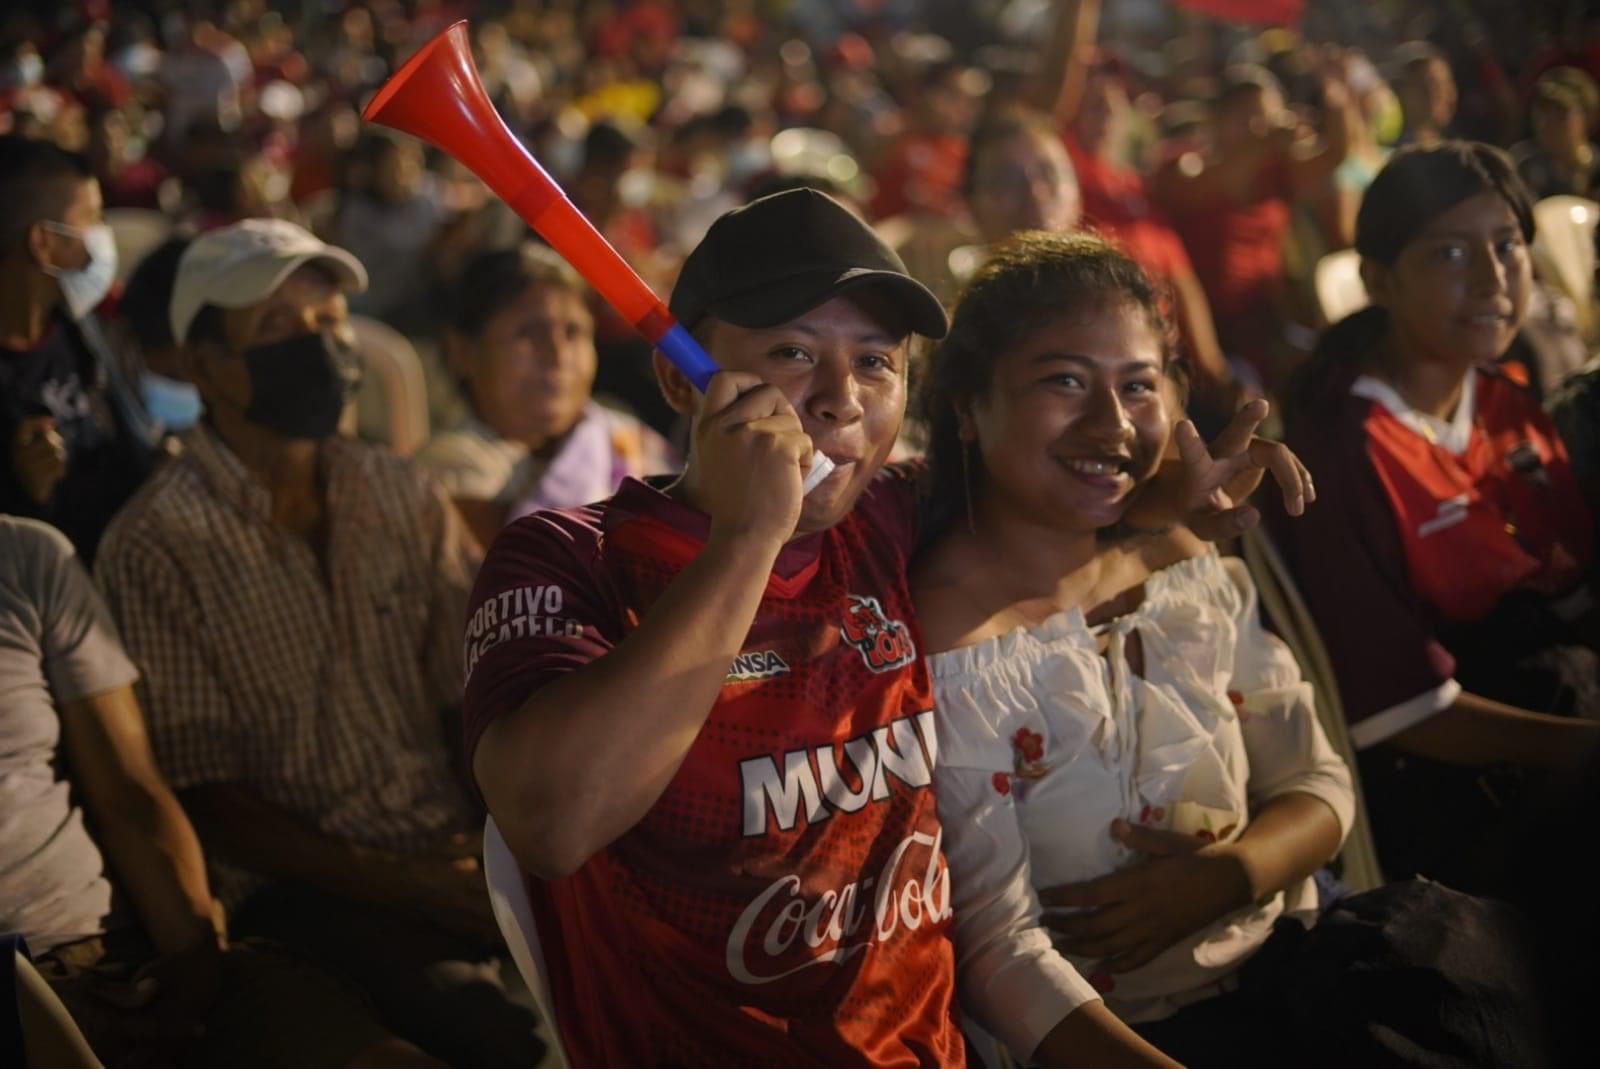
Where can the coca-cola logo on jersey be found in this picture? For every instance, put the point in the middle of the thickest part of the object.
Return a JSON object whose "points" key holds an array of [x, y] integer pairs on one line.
{"points": [[912, 889]]}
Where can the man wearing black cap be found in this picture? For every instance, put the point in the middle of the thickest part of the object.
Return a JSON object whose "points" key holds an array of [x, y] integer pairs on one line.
{"points": [[696, 709]]}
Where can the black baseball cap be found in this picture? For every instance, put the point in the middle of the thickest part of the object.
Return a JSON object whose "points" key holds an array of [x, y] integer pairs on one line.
{"points": [[777, 258]]}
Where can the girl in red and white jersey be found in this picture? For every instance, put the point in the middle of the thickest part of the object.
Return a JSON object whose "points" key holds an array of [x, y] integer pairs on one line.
{"points": [[1449, 567]]}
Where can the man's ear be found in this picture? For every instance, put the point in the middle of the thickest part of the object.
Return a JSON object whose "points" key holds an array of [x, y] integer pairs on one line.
{"points": [[1379, 281], [193, 361], [37, 240], [675, 385]]}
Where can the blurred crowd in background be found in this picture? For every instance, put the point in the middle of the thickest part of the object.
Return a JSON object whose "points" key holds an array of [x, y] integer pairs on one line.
{"points": [[656, 117], [1224, 145]]}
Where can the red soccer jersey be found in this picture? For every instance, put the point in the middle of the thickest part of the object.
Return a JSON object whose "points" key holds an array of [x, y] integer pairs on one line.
{"points": [[1408, 537], [785, 902], [1505, 513]]}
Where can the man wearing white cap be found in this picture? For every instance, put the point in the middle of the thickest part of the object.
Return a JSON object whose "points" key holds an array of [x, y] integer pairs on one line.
{"points": [[293, 599]]}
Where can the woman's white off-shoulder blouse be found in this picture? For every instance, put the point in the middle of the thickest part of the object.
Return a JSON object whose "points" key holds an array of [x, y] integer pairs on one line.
{"points": [[1044, 740]]}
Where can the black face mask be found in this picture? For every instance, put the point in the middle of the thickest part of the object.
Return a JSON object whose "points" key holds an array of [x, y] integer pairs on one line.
{"points": [[299, 386]]}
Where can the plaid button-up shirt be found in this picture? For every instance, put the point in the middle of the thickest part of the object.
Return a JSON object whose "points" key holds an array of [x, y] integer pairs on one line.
{"points": [[319, 685]]}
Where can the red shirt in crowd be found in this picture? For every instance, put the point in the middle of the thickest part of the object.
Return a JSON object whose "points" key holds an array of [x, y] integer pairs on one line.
{"points": [[1116, 204], [1415, 531], [137, 185], [1237, 250], [786, 901], [921, 172]]}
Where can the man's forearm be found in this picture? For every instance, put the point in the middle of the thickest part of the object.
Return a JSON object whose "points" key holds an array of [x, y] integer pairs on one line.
{"points": [[147, 837], [1058, 88], [240, 827], [542, 769], [1311, 173], [1199, 329], [157, 858]]}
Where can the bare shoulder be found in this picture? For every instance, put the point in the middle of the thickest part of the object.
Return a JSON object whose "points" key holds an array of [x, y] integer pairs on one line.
{"points": [[944, 580]]}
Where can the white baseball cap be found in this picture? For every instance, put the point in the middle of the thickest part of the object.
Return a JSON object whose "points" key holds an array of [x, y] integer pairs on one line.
{"points": [[243, 264]]}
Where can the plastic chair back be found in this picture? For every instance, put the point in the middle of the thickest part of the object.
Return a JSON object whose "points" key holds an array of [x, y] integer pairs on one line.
{"points": [[392, 404], [1340, 290], [508, 896], [1563, 251], [1292, 622]]}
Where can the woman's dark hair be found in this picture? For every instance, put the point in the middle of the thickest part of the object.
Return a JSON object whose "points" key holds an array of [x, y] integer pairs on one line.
{"points": [[492, 281], [1415, 187], [1035, 279]]}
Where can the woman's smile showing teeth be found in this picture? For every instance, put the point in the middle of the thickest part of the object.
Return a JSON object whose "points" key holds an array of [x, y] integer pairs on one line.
{"points": [[1091, 466], [1103, 473]]}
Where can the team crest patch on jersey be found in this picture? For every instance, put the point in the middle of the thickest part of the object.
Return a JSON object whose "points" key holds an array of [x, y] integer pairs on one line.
{"points": [[885, 644], [756, 664]]}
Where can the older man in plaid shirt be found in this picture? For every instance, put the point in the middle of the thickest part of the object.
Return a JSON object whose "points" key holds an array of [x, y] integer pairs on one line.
{"points": [[294, 600]]}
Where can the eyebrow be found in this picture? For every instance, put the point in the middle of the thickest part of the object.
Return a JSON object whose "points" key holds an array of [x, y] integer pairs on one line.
{"points": [[1079, 359], [870, 337], [1463, 235]]}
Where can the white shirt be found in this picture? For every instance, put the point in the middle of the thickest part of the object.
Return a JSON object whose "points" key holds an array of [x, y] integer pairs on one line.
{"points": [[57, 646], [1453, 434], [1044, 741]]}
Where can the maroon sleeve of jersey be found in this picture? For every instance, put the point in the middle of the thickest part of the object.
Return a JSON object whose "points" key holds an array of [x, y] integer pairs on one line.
{"points": [[1347, 559], [541, 606]]}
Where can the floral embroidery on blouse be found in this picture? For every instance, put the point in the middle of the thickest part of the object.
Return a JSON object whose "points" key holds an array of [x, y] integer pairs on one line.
{"points": [[1029, 753]]}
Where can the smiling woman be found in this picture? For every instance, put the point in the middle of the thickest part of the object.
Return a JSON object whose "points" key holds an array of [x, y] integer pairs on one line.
{"points": [[1450, 567], [1134, 785], [1113, 377]]}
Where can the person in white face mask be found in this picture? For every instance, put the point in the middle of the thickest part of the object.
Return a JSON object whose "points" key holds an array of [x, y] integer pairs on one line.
{"points": [[75, 441]]}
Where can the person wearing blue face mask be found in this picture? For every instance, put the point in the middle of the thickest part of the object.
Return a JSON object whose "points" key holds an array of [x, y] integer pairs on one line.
{"points": [[171, 400], [75, 440], [294, 598]]}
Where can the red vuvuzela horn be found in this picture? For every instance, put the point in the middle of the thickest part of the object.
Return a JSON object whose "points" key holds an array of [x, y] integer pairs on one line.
{"points": [[438, 97]]}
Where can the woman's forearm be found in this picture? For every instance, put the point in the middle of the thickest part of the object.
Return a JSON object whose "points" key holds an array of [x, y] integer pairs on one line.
{"points": [[1292, 836], [1478, 731], [1092, 1037]]}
